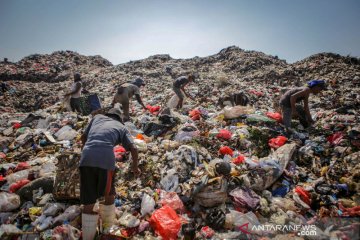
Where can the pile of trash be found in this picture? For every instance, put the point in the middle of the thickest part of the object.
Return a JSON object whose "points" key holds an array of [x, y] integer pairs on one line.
{"points": [[54, 67], [207, 172]]}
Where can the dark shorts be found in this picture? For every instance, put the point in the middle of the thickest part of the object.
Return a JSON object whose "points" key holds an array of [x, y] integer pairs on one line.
{"points": [[75, 104], [95, 183]]}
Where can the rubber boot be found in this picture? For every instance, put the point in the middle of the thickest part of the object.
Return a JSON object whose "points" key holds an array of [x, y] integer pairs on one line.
{"points": [[107, 214], [89, 225]]}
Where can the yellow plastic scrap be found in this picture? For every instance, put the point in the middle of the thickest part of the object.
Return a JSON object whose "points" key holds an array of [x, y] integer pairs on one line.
{"points": [[35, 211], [324, 170]]}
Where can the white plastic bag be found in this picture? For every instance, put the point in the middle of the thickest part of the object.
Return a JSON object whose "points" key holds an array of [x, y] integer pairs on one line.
{"points": [[9, 201], [66, 133], [171, 181], [237, 111], [172, 103], [147, 205]]}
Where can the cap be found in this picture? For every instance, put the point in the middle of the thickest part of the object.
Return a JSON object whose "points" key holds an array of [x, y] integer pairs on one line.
{"points": [[114, 111], [317, 83]]}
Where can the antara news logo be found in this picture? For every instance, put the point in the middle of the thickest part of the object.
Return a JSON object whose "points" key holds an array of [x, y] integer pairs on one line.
{"points": [[301, 230]]}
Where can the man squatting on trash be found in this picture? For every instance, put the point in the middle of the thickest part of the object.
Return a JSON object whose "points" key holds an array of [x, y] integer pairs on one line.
{"points": [[291, 97], [125, 92], [179, 86], [97, 168]]}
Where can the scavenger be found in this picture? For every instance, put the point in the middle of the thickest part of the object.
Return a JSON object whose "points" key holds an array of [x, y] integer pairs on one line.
{"points": [[75, 93], [97, 168], [288, 103], [179, 87], [125, 92]]}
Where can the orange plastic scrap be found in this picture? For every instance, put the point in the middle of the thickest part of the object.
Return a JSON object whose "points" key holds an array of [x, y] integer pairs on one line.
{"points": [[276, 116], [225, 150], [277, 142], [304, 195]]}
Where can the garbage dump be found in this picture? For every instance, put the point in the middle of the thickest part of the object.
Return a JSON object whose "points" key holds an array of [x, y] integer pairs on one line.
{"points": [[207, 172]]}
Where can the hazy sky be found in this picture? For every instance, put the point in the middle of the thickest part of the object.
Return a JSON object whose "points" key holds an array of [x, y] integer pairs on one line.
{"points": [[126, 30]]}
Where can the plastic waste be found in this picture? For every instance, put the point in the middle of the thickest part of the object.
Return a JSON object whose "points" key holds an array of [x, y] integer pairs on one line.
{"points": [[153, 109], [195, 114], [129, 221], [19, 184], [238, 160], [276, 116], [215, 218], [172, 200], [133, 130], [170, 181], [70, 214], [141, 145], [213, 194], [277, 142], [187, 133], [147, 205], [238, 221], [245, 199], [66, 133], [17, 176], [225, 150], [207, 232], [173, 101], [166, 223], [335, 138], [237, 111], [9, 201], [52, 209], [224, 134], [9, 230], [46, 223], [65, 231]]}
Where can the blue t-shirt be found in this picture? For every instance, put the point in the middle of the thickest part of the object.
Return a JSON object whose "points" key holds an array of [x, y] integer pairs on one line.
{"points": [[103, 133]]}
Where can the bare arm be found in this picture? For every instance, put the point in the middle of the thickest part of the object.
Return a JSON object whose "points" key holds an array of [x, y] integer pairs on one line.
{"points": [[77, 88], [138, 98], [186, 94], [135, 160], [83, 139], [307, 110]]}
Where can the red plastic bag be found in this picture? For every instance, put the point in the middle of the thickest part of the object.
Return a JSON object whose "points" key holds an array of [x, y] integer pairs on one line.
{"points": [[304, 195], [119, 152], [2, 179], [17, 125], [239, 160], [19, 184], [257, 93], [207, 232], [276, 116], [22, 166], [225, 150], [224, 134], [172, 200], [335, 138], [277, 142], [153, 109], [195, 114], [349, 212], [166, 223]]}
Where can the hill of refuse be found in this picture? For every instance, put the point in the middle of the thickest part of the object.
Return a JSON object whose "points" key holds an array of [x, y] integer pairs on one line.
{"points": [[47, 77], [207, 172]]}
